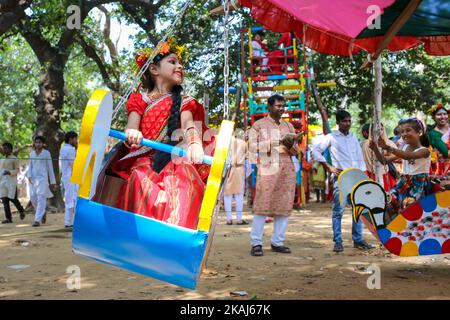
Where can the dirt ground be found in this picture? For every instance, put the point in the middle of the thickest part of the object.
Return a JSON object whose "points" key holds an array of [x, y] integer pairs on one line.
{"points": [[34, 262]]}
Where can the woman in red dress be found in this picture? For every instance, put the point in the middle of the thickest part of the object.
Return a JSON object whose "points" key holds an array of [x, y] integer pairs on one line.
{"points": [[281, 57], [159, 185]]}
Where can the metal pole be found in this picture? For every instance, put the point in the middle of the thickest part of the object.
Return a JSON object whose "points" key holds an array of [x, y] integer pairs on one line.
{"points": [[377, 114], [206, 106]]}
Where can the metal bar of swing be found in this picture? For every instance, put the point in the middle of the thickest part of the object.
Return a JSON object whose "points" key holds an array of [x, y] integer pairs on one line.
{"points": [[159, 146]]}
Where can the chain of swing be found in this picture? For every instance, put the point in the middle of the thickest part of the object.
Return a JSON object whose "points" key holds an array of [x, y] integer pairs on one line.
{"points": [[226, 71]]}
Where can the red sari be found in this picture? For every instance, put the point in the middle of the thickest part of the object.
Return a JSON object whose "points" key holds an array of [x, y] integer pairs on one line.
{"points": [[388, 180], [175, 194], [277, 57]]}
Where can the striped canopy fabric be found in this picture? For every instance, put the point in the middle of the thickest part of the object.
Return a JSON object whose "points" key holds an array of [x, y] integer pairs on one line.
{"points": [[345, 27]]}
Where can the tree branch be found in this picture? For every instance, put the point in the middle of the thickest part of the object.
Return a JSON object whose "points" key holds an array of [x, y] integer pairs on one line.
{"points": [[92, 4], [92, 53], [149, 13], [134, 14], [12, 5], [115, 65], [106, 34], [118, 37], [141, 3], [41, 47], [160, 3], [11, 12], [68, 36], [321, 107]]}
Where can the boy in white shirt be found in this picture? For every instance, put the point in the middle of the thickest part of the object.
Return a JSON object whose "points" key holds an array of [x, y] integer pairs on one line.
{"points": [[40, 172], [345, 152]]}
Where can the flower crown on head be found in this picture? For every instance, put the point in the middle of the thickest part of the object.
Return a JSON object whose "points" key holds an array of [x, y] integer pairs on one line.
{"points": [[169, 46], [434, 108]]}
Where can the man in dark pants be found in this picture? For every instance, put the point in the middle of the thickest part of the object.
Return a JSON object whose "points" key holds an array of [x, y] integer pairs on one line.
{"points": [[345, 152], [9, 166]]}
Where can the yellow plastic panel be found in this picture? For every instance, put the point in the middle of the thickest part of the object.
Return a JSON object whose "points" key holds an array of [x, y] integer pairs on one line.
{"points": [[215, 175], [94, 132]]}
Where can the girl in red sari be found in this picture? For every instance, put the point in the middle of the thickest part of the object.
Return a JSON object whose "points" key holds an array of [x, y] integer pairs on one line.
{"points": [[157, 186]]}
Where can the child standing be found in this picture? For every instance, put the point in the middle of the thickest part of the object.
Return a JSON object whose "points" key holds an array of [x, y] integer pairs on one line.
{"points": [[319, 178], [416, 164], [39, 173], [259, 49], [235, 184]]}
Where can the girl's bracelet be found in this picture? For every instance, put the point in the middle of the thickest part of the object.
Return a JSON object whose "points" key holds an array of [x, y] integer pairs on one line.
{"points": [[193, 127], [191, 137]]}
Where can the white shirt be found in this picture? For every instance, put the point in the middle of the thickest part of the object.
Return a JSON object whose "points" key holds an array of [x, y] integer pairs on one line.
{"points": [[67, 157], [416, 166], [345, 151], [8, 183], [41, 171]]}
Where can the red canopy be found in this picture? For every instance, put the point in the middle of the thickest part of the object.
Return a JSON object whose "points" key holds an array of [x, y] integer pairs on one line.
{"points": [[340, 27]]}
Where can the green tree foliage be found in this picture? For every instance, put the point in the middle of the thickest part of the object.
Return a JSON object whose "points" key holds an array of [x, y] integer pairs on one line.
{"points": [[203, 35], [18, 77], [81, 77], [412, 80]]}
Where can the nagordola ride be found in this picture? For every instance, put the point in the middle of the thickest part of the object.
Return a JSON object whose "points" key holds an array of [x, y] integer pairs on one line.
{"points": [[130, 241], [422, 228]]}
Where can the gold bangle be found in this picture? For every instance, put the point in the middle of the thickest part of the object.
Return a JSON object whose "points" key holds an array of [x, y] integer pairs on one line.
{"points": [[193, 127], [190, 137]]}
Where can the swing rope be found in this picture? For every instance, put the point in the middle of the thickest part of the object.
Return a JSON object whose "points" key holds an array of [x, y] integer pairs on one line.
{"points": [[226, 71], [137, 78]]}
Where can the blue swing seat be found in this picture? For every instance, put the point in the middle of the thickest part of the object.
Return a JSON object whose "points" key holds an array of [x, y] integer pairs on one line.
{"points": [[126, 240], [130, 241]]}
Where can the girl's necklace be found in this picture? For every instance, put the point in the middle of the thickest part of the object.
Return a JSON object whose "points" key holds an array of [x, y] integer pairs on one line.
{"points": [[154, 95], [149, 96]]}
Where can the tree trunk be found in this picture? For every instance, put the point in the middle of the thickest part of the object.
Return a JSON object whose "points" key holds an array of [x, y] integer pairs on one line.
{"points": [[206, 106], [49, 102]]}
